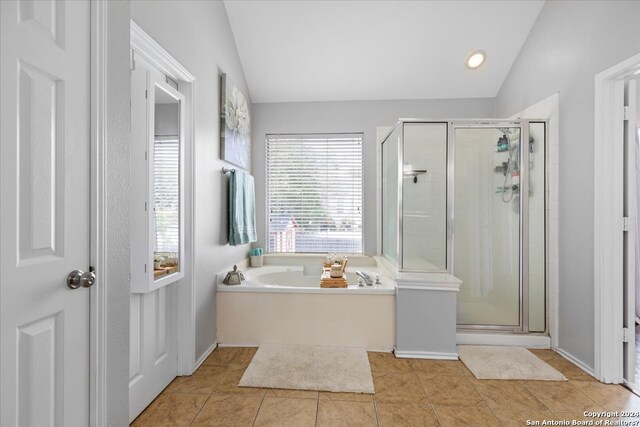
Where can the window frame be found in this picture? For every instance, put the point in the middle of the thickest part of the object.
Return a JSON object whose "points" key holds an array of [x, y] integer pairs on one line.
{"points": [[269, 137]]}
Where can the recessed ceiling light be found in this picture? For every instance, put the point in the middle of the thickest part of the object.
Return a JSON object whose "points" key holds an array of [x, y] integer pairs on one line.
{"points": [[475, 59]]}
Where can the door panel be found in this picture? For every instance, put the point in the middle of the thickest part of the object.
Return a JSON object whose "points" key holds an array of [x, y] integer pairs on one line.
{"points": [[44, 212], [153, 360]]}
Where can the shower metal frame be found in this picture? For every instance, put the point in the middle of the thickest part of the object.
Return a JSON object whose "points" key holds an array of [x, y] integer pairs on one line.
{"points": [[523, 267]]}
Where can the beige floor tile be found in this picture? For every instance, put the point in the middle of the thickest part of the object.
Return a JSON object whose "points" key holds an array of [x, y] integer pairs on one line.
{"points": [[466, 416], [449, 390], [202, 381], [401, 387], [438, 367], [348, 414], [611, 397], [175, 409], [351, 397], [569, 370], [544, 353], [405, 415], [229, 383], [502, 394], [382, 363], [519, 417], [283, 411], [302, 394], [560, 396], [231, 356], [228, 410]]}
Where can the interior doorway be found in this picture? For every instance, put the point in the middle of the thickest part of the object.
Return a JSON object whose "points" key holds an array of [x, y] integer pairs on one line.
{"points": [[162, 335], [615, 222]]}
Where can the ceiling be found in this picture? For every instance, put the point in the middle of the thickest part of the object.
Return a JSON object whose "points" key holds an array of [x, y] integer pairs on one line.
{"points": [[367, 50]]}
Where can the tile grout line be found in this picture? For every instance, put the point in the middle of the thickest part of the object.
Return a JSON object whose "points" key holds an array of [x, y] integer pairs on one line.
{"points": [[433, 409], [213, 388], [202, 407], [259, 407]]}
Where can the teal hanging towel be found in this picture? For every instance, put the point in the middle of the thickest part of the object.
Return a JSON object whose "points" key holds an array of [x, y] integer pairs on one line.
{"points": [[242, 214]]}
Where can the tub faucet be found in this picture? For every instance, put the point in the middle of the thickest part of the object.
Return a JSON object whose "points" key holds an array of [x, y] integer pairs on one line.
{"points": [[367, 279]]}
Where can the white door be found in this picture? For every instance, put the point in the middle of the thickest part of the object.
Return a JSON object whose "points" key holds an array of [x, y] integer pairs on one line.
{"points": [[153, 340], [44, 212], [630, 211]]}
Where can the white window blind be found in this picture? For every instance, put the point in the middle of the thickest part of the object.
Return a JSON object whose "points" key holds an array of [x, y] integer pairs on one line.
{"points": [[314, 193], [166, 188]]}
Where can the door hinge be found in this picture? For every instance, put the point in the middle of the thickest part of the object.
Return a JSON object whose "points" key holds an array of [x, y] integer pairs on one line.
{"points": [[145, 206], [626, 112], [146, 93], [145, 155], [625, 334], [625, 223], [145, 268]]}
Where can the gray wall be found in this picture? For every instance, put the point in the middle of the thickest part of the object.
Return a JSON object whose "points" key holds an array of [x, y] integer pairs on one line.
{"points": [[570, 43], [117, 117], [198, 35], [347, 116]]}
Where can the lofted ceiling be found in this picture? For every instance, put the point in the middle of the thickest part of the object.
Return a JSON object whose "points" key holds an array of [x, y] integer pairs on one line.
{"points": [[365, 50]]}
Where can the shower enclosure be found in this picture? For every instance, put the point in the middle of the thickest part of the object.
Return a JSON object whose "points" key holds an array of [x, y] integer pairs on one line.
{"points": [[468, 198]]}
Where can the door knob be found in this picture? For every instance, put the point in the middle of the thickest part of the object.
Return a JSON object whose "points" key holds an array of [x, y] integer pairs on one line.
{"points": [[78, 278], [88, 279]]}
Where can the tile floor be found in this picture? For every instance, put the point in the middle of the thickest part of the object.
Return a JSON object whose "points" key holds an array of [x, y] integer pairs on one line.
{"points": [[408, 393]]}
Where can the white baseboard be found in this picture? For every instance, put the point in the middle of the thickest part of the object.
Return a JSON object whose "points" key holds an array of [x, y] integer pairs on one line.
{"points": [[204, 356], [426, 355], [519, 340], [575, 361]]}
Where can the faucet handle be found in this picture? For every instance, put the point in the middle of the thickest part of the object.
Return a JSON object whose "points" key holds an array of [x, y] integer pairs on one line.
{"points": [[378, 280]]}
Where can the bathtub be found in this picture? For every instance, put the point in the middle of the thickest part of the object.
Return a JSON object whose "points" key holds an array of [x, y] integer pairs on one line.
{"points": [[299, 279], [284, 303]]}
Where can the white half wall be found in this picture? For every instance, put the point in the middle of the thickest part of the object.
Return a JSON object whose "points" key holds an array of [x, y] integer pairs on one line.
{"points": [[563, 58], [348, 116], [197, 34]]}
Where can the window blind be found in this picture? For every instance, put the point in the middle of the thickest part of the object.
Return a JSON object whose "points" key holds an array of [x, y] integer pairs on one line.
{"points": [[166, 188], [314, 193]]}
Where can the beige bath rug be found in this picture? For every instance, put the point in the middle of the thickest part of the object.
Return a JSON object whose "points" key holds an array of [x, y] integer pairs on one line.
{"points": [[506, 363], [303, 367]]}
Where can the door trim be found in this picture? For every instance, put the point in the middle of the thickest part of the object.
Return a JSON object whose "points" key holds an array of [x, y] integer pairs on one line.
{"points": [[608, 212], [98, 310], [157, 56]]}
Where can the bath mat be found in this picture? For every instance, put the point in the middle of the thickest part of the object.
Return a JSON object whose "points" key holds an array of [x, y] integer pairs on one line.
{"points": [[506, 363], [303, 367]]}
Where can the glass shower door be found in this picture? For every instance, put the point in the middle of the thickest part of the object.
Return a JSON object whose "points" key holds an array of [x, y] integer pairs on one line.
{"points": [[485, 231]]}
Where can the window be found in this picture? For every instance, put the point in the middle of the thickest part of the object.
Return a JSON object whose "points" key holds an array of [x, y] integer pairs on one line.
{"points": [[314, 193], [166, 190]]}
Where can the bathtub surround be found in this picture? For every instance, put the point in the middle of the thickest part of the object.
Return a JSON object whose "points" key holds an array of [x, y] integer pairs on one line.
{"points": [[283, 303], [506, 363], [303, 367]]}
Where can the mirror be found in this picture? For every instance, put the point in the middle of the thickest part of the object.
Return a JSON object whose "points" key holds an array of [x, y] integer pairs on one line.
{"points": [[166, 186]]}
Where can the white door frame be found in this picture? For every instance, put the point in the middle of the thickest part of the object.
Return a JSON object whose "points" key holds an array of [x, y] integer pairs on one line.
{"points": [[157, 56], [608, 231], [98, 311]]}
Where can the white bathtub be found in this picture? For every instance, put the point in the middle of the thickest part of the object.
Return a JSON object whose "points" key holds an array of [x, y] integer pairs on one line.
{"points": [[298, 279], [284, 304]]}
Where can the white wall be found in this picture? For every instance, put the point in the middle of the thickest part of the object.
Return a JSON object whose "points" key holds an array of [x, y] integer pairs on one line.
{"points": [[198, 35], [570, 43], [347, 116], [117, 119]]}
